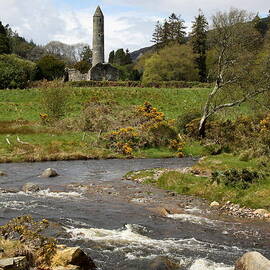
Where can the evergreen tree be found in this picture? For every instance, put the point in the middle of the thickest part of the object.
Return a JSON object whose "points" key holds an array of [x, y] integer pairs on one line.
{"points": [[173, 30], [176, 28], [165, 33], [157, 35], [111, 57], [199, 43], [5, 47]]}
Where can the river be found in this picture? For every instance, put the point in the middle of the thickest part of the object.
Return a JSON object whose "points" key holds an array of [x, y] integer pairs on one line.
{"points": [[117, 222]]}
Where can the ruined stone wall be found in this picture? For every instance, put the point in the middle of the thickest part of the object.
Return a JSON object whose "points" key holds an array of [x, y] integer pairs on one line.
{"points": [[104, 72], [75, 76]]}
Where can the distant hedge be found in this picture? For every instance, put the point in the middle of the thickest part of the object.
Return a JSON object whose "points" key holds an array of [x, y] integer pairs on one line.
{"points": [[165, 84], [15, 72]]}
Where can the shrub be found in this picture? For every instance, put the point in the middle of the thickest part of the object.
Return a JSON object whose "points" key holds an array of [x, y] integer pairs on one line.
{"points": [[241, 179], [28, 232], [97, 116], [54, 102], [150, 129], [83, 66], [184, 119], [174, 62], [15, 72], [50, 68], [163, 84]]}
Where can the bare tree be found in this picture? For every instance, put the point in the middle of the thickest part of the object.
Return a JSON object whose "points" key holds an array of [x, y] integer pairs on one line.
{"points": [[235, 42], [71, 53]]}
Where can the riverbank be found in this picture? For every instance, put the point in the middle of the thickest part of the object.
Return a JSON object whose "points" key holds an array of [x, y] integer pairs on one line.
{"points": [[219, 178]]}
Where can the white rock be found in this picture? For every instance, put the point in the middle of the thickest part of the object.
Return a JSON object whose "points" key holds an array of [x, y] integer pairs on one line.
{"points": [[49, 173], [214, 204], [261, 212], [16, 263], [252, 261]]}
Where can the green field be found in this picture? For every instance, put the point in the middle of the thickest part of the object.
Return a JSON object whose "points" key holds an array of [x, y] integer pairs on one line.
{"points": [[20, 117]]}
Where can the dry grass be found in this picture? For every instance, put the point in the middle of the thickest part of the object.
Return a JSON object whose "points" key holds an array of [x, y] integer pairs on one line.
{"points": [[11, 247]]}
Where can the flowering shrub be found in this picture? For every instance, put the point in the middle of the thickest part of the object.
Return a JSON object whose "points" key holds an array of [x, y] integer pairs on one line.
{"points": [[44, 118], [124, 140], [178, 145], [150, 129]]}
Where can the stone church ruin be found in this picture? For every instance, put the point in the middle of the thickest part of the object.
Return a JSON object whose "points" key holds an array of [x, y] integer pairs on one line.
{"points": [[100, 70]]}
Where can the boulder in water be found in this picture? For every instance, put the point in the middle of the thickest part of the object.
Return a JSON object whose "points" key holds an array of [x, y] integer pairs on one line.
{"points": [[49, 173], [73, 256], [31, 187], [162, 263], [252, 261]]}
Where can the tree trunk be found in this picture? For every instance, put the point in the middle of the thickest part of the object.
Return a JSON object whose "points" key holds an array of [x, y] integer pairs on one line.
{"points": [[202, 127]]}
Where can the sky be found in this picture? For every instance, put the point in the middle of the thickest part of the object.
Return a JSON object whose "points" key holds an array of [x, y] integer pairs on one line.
{"points": [[129, 24]]}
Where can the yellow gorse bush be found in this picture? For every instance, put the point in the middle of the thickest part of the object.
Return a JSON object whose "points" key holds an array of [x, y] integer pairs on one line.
{"points": [[152, 129]]}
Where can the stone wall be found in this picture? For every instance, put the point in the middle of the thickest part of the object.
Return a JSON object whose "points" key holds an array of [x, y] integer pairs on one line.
{"points": [[104, 72], [75, 76]]}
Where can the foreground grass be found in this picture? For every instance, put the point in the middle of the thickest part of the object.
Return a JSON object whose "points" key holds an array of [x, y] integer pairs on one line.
{"points": [[256, 196]]}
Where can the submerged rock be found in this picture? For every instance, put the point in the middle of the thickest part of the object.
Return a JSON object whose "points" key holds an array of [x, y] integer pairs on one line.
{"points": [[2, 173], [31, 187], [49, 173], [252, 261], [16, 263], [73, 256], [162, 263]]}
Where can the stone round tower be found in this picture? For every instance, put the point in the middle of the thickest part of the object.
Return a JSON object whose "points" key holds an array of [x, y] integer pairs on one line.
{"points": [[98, 37]]}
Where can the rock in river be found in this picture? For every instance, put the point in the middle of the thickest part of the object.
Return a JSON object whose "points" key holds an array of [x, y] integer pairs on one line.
{"points": [[162, 263], [2, 173], [73, 256], [252, 261], [49, 173], [31, 187]]}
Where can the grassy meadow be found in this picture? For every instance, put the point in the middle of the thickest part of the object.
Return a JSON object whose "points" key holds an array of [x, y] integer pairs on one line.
{"points": [[20, 120]]}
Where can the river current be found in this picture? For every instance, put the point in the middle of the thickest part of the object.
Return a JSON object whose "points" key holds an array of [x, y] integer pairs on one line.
{"points": [[118, 222]]}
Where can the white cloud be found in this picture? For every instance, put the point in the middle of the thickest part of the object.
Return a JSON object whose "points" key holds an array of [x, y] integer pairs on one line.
{"points": [[41, 21], [189, 8]]}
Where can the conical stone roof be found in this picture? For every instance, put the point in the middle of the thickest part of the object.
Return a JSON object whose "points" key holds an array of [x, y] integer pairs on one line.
{"points": [[98, 12]]}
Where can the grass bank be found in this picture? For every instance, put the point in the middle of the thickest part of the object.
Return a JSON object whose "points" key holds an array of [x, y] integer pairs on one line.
{"points": [[198, 182]]}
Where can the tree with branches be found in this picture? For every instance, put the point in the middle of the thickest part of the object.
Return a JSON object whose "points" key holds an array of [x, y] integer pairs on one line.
{"points": [[238, 76]]}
